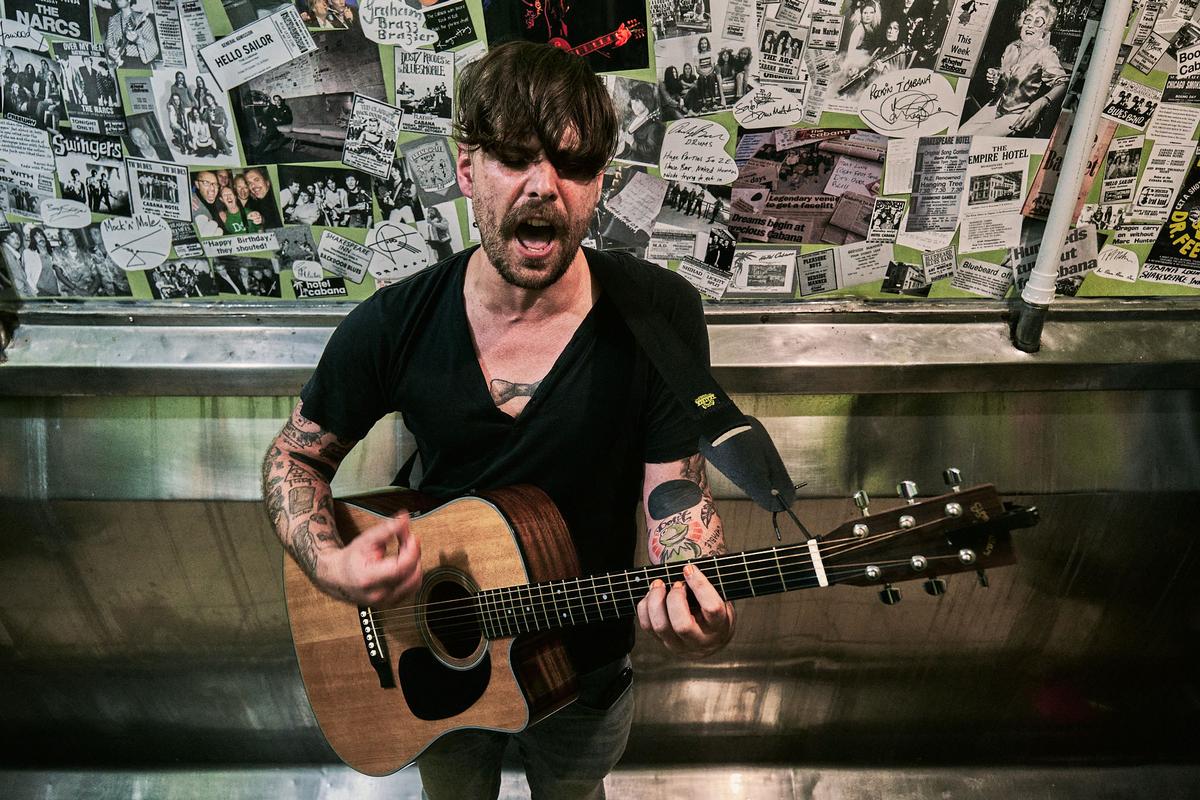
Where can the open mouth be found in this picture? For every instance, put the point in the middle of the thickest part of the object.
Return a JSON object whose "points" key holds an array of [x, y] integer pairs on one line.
{"points": [[536, 236]]}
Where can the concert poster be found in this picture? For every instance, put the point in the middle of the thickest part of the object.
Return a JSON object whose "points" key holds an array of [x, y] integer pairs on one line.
{"points": [[90, 89], [70, 19], [1178, 243], [595, 28]]}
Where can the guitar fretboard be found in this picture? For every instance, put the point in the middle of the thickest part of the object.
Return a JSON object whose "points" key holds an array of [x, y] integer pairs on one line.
{"points": [[511, 610]]}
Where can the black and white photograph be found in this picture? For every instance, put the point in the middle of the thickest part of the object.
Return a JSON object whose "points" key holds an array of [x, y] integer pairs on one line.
{"points": [[780, 47], [425, 90], [243, 12], [328, 15], [397, 196], [1024, 69], [195, 117], [181, 278], [718, 252], [694, 206], [431, 167], [31, 85], [226, 202], [606, 230], [159, 188], [90, 89], [144, 138], [91, 170], [611, 34], [246, 276], [1000, 187], [60, 262], [672, 18], [129, 33], [371, 136], [697, 77], [641, 130], [330, 196], [876, 40], [299, 112], [295, 244], [67, 18], [22, 191]]}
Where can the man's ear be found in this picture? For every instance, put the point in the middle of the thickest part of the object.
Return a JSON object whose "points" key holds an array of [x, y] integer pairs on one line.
{"points": [[463, 169]]}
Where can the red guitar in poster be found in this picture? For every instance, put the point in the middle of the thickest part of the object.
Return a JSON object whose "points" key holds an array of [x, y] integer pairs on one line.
{"points": [[631, 29]]}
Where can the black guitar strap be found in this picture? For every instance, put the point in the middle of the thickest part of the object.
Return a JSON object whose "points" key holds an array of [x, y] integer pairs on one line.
{"points": [[733, 442]]}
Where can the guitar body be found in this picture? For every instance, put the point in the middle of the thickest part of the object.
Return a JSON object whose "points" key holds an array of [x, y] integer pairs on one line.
{"points": [[429, 678]]}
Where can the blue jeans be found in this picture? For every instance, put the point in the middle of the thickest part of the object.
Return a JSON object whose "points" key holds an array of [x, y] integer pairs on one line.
{"points": [[566, 755]]}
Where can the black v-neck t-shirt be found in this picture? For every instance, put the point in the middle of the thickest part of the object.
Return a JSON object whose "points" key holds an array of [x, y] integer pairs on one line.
{"points": [[598, 415]]}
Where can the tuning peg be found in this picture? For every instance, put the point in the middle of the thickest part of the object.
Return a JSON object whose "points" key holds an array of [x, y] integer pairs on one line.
{"points": [[907, 490], [890, 595], [953, 479], [935, 587], [983, 578], [863, 502]]}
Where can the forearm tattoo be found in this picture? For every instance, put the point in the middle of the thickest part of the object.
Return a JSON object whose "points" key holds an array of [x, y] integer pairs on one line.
{"points": [[295, 483], [681, 520]]}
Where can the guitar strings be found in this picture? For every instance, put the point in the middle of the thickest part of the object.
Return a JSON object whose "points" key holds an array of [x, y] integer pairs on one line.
{"points": [[769, 558], [475, 613], [465, 630]]}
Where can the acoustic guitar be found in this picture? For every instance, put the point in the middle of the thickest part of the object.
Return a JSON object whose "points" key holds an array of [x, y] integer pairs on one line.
{"points": [[478, 646]]}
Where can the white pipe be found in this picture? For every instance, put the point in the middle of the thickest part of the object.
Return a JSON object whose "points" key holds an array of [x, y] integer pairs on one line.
{"points": [[1039, 291]]}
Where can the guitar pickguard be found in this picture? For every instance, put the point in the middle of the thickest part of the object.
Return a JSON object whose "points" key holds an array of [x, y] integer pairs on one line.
{"points": [[434, 691]]}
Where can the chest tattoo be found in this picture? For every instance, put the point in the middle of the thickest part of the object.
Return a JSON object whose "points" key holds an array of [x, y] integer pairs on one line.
{"points": [[502, 391]]}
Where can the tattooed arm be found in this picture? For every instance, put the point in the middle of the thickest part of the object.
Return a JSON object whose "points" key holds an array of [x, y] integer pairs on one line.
{"points": [[296, 473], [682, 524]]}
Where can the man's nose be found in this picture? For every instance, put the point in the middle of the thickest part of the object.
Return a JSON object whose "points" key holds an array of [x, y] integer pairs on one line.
{"points": [[541, 180]]}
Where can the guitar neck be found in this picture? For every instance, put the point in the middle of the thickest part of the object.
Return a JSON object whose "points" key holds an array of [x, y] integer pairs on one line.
{"points": [[598, 598]]}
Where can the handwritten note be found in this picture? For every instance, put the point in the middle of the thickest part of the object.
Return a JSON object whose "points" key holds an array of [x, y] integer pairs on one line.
{"points": [[139, 242], [768, 107], [694, 150], [65, 213], [910, 103], [394, 22], [1118, 263]]}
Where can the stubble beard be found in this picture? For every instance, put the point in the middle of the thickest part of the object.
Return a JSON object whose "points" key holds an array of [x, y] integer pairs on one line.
{"points": [[495, 237]]}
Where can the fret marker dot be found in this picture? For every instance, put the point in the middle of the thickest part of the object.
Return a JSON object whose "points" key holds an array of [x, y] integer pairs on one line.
{"points": [[603, 597]]}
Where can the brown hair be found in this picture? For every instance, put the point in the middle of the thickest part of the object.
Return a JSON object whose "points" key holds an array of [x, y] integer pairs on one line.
{"points": [[521, 90]]}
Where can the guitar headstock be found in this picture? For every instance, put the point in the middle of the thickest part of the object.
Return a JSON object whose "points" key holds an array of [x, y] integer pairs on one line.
{"points": [[964, 530], [636, 31]]}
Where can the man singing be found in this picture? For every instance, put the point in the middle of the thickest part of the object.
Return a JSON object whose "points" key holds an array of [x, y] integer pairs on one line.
{"points": [[511, 366]]}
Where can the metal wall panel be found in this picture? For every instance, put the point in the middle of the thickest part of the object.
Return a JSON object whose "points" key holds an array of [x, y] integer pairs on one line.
{"points": [[141, 617]]}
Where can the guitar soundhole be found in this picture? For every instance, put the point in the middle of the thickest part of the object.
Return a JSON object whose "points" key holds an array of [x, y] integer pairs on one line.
{"points": [[452, 619], [449, 618]]}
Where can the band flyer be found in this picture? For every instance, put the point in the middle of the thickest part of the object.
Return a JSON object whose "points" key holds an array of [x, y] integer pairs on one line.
{"points": [[160, 189], [90, 89], [371, 136], [70, 19], [425, 91]]}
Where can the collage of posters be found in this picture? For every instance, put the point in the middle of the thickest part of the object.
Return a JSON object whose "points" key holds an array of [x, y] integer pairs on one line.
{"points": [[765, 151]]}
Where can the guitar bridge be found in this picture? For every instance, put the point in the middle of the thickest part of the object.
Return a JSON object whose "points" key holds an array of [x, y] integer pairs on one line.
{"points": [[376, 645]]}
